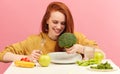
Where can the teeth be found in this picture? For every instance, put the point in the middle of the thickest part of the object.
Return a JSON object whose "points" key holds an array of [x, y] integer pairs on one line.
{"points": [[57, 31]]}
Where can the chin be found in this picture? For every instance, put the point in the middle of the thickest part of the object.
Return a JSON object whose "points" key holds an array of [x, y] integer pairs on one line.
{"points": [[57, 35]]}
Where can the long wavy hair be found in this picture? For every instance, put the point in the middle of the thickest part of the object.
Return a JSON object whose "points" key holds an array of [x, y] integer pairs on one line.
{"points": [[69, 24]]}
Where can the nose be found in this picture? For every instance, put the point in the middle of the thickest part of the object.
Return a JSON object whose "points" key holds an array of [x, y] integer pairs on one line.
{"points": [[59, 26]]}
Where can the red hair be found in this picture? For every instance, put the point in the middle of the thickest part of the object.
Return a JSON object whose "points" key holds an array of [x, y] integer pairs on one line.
{"points": [[61, 7]]}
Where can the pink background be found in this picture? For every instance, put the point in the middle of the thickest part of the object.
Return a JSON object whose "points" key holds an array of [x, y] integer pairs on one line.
{"points": [[97, 19]]}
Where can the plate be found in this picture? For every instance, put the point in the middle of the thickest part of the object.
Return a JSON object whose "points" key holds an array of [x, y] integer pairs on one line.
{"points": [[64, 58], [102, 70]]}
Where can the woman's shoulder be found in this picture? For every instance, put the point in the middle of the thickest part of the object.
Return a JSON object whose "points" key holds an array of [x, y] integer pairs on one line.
{"points": [[78, 34], [35, 36], [38, 36]]}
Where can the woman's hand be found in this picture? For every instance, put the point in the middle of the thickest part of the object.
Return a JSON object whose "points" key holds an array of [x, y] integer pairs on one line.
{"points": [[75, 48], [13, 57], [35, 55]]}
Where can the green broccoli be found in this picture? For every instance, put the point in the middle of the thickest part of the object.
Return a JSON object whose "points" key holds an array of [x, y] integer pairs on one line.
{"points": [[105, 65], [67, 40]]}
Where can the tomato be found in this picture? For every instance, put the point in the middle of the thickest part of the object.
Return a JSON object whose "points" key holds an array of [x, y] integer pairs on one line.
{"points": [[25, 59], [22, 59]]}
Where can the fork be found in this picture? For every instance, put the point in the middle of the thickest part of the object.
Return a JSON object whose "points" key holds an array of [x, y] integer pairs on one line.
{"points": [[42, 43]]}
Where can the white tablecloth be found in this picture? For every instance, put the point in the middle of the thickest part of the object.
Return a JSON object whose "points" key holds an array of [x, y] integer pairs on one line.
{"points": [[58, 69]]}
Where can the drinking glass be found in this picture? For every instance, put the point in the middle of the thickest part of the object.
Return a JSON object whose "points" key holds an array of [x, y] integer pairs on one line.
{"points": [[88, 52]]}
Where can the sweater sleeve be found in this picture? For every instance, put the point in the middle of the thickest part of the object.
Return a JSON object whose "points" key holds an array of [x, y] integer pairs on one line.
{"points": [[22, 48], [81, 39]]}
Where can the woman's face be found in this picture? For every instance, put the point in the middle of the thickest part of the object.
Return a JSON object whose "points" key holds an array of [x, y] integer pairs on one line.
{"points": [[56, 24]]}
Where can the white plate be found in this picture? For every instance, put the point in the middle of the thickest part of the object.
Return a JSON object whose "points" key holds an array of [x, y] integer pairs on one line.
{"points": [[64, 58], [102, 70]]}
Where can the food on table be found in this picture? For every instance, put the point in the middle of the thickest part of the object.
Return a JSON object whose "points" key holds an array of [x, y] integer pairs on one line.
{"points": [[87, 62], [66, 40], [105, 65], [24, 64], [44, 60], [98, 56], [25, 59]]}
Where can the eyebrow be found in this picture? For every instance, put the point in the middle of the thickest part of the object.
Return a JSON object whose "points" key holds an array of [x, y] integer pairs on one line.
{"points": [[57, 20]]}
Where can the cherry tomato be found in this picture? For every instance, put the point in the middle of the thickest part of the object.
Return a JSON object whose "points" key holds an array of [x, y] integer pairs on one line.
{"points": [[25, 59]]}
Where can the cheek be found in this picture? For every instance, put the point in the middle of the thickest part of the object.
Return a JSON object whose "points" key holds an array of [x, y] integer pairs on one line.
{"points": [[63, 27], [50, 26]]}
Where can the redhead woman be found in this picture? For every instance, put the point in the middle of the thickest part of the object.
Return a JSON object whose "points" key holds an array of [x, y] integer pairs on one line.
{"points": [[56, 21]]}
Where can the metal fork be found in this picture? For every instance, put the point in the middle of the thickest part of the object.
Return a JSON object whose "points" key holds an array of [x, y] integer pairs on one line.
{"points": [[42, 43]]}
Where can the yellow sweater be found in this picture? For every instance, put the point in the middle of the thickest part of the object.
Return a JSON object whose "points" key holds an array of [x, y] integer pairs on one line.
{"points": [[35, 42]]}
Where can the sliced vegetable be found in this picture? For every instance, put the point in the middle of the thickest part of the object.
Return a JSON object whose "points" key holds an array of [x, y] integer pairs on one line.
{"points": [[105, 65], [87, 62]]}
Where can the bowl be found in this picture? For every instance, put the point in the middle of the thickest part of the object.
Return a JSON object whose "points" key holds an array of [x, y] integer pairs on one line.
{"points": [[63, 57]]}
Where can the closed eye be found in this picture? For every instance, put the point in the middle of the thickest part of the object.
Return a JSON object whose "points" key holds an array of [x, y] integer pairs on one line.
{"points": [[62, 23], [55, 22]]}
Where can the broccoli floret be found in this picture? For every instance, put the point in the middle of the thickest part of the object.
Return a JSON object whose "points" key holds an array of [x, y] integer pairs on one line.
{"points": [[105, 65], [67, 40]]}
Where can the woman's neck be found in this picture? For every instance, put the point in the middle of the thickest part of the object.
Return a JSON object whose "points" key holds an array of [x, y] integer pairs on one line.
{"points": [[52, 37]]}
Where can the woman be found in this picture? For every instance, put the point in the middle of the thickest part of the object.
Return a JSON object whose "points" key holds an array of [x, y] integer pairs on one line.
{"points": [[57, 20]]}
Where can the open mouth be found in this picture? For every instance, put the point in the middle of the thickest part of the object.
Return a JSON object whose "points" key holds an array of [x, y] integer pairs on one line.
{"points": [[58, 32]]}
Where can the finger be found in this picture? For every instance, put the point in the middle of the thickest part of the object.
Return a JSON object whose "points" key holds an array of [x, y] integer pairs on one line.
{"points": [[71, 51], [37, 51], [68, 52], [37, 54], [35, 57], [41, 52], [68, 49]]}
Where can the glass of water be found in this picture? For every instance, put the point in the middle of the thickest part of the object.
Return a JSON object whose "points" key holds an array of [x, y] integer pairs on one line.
{"points": [[88, 52]]}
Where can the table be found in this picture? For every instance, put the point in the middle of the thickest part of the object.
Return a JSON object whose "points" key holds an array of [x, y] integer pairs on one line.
{"points": [[58, 69]]}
